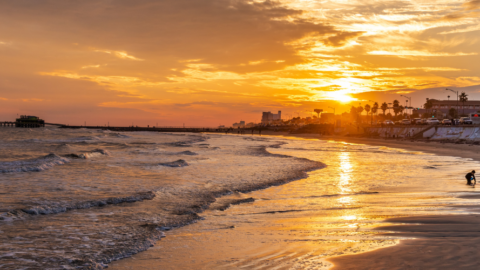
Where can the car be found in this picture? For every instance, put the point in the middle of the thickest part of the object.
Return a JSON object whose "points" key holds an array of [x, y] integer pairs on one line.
{"points": [[424, 121], [417, 121], [446, 122], [406, 122], [466, 121], [432, 121], [388, 122]]}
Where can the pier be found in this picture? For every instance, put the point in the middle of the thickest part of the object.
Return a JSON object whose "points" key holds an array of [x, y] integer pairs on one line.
{"points": [[7, 124], [156, 129]]}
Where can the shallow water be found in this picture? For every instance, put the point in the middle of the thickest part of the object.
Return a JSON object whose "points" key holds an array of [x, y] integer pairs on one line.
{"points": [[332, 212], [80, 199], [73, 199]]}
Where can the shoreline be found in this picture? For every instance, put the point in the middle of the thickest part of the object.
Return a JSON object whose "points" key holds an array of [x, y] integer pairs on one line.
{"points": [[432, 147], [440, 241], [402, 250]]}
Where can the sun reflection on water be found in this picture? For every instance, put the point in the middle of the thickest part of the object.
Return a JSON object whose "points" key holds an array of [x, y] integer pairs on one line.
{"points": [[346, 173]]}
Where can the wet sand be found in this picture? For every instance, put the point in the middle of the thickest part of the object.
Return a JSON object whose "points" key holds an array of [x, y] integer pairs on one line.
{"points": [[438, 148], [441, 242]]}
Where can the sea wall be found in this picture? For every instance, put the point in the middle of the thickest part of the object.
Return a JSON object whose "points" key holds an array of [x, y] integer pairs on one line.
{"points": [[456, 133], [470, 133], [397, 132]]}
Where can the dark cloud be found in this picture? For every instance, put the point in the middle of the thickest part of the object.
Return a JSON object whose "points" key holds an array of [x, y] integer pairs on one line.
{"points": [[341, 38], [473, 4], [222, 32]]}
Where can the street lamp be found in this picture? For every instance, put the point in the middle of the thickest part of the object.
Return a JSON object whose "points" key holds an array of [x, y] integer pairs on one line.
{"points": [[409, 98], [333, 109], [448, 89]]}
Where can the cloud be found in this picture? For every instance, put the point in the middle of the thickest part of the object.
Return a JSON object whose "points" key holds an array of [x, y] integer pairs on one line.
{"points": [[91, 66], [471, 5], [401, 53], [341, 38], [32, 99], [120, 54], [464, 30]]}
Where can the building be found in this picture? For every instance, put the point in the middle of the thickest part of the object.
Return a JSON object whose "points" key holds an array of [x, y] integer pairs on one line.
{"points": [[327, 117], [443, 106], [268, 117], [29, 121], [239, 125]]}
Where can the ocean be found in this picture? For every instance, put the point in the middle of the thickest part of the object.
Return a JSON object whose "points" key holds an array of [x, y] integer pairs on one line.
{"points": [[81, 199]]}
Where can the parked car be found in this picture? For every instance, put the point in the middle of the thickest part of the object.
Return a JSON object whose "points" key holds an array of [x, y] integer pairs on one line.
{"points": [[466, 121], [417, 121], [406, 122], [447, 122], [388, 122], [432, 121], [424, 121]]}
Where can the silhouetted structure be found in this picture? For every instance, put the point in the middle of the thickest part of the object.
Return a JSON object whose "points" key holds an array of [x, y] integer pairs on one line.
{"points": [[29, 121]]}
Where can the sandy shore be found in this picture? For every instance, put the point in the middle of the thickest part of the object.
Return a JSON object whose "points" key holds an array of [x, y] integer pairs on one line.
{"points": [[441, 242], [443, 149]]}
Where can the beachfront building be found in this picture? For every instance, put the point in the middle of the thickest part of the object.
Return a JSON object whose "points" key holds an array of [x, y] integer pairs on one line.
{"points": [[268, 117], [327, 117], [239, 125], [443, 106]]}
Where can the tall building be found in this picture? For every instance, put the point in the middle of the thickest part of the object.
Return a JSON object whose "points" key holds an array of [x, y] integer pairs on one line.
{"points": [[268, 117]]}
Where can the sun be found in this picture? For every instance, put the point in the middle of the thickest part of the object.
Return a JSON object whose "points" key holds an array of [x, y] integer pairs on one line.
{"points": [[341, 96]]}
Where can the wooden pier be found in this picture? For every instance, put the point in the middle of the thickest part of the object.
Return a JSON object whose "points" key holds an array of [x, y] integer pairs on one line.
{"points": [[7, 124], [156, 129]]}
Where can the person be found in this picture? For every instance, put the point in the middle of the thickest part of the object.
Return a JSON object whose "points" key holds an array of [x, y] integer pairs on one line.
{"points": [[471, 176]]}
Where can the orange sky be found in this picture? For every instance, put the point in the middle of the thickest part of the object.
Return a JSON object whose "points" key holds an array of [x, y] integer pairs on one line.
{"points": [[220, 61]]}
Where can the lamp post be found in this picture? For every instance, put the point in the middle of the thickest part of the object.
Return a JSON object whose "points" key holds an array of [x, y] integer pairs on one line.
{"points": [[448, 89], [409, 98], [333, 113], [371, 114]]}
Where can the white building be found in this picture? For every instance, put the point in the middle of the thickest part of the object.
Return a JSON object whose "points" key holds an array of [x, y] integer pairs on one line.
{"points": [[268, 117]]}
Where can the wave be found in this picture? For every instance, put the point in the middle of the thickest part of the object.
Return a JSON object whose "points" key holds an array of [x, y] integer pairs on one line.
{"points": [[188, 153], [91, 154], [32, 165], [177, 163], [60, 208]]}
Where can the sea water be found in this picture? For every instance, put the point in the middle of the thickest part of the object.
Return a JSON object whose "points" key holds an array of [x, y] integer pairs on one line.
{"points": [[80, 199]]}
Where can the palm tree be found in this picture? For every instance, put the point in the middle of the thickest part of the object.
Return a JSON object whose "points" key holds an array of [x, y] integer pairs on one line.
{"points": [[375, 108], [428, 105], [463, 98], [400, 109], [396, 110], [360, 110], [367, 108], [353, 111], [384, 107]]}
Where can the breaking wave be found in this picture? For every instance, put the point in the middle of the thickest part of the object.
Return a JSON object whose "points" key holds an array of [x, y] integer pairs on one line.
{"points": [[32, 165], [63, 207], [91, 154], [177, 163]]}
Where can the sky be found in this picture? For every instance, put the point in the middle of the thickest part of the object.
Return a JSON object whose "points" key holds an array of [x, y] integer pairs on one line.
{"points": [[215, 62]]}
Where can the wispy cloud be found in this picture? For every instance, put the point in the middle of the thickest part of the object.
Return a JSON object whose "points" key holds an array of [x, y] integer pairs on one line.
{"points": [[462, 30], [120, 54], [418, 53]]}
